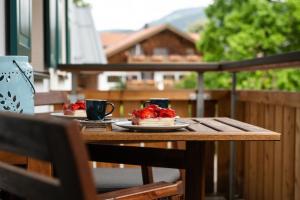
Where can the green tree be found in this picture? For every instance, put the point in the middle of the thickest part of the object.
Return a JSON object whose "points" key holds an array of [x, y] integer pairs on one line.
{"points": [[245, 29], [242, 29], [81, 3]]}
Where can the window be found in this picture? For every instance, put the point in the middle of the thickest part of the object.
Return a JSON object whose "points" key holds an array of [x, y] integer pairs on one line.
{"points": [[137, 50], [114, 79], [19, 15], [53, 32], [161, 51], [181, 77], [169, 77], [190, 51], [132, 77]]}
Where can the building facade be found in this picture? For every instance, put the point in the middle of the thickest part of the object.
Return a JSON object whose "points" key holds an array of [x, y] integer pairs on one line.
{"points": [[157, 44], [49, 32]]}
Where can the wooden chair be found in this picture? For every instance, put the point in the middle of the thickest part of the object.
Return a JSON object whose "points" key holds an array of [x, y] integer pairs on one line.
{"points": [[47, 98], [109, 179], [58, 142]]}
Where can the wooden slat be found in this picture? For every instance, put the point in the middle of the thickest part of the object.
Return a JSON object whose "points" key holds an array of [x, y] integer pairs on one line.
{"points": [[242, 125], [291, 99], [246, 154], [260, 154], [13, 159], [278, 184], [269, 154], [129, 106], [131, 137], [142, 95], [18, 181], [16, 137], [210, 122], [39, 167], [117, 111], [181, 108], [297, 156], [288, 153], [240, 149], [197, 127], [145, 192], [50, 98], [253, 156]]}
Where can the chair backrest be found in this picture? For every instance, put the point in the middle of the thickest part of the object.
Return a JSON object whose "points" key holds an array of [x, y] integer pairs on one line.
{"points": [[50, 98], [56, 141]]}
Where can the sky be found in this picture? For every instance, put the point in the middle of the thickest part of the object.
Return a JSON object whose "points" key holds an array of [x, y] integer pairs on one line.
{"points": [[134, 14]]}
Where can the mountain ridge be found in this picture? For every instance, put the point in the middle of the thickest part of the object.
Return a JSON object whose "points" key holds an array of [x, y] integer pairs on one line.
{"points": [[180, 19]]}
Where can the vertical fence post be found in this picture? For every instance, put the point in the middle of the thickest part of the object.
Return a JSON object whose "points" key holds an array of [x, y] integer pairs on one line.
{"points": [[200, 95], [232, 163], [74, 83]]}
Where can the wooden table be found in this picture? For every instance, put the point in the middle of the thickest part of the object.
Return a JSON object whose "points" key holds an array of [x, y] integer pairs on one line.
{"points": [[191, 159]]}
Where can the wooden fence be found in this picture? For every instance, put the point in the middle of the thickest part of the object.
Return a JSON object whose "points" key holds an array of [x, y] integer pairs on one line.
{"points": [[265, 170], [272, 169]]}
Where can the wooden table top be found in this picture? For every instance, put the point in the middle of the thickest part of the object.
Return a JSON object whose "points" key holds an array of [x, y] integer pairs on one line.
{"points": [[200, 129]]}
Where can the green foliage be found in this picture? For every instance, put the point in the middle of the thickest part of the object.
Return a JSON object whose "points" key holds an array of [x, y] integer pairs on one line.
{"points": [[188, 82], [283, 79], [242, 29], [81, 3], [245, 29]]}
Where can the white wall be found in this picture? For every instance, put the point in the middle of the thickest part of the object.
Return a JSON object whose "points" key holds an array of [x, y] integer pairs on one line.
{"points": [[2, 28], [37, 36]]}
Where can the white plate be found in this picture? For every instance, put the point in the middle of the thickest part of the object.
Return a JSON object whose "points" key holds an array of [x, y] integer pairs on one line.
{"points": [[62, 115], [128, 125]]}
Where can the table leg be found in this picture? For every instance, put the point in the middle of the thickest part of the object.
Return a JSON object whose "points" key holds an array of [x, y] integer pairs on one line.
{"points": [[195, 171], [147, 174]]}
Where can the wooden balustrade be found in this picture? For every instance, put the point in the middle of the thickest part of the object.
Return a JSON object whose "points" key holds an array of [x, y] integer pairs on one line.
{"points": [[272, 169]]}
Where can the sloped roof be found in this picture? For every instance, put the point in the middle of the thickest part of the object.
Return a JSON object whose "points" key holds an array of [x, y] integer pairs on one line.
{"points": [[111, 38], [196, 36], [141, 35], [85, 43]]}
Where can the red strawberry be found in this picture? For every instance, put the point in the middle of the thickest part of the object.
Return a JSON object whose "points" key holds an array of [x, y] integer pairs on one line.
{"points": [[167, 113], [147, 113], [74, 106]]}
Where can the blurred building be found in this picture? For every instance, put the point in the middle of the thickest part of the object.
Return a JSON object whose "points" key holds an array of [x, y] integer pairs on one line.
{"points": [[50, 33], [156, 44]]}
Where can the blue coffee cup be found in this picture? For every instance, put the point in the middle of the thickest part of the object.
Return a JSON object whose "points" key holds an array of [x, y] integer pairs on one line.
{"points": [[96, 109], [161, 102]]}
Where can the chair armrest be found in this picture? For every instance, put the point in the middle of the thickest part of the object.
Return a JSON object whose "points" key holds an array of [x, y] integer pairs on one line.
{"points": [[144, 192]]}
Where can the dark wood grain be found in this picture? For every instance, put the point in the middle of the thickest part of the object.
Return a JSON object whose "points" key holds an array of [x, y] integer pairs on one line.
{"points": [[147, 174], [146, 192], [284, 60], [139, 67], [172, 158], [18, 181], [50, 98], [195, 171]]}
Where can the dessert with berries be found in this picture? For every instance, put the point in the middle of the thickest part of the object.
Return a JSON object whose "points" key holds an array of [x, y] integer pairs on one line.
{"points": [[75, 109], [152, 115]]}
